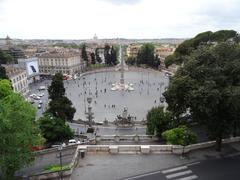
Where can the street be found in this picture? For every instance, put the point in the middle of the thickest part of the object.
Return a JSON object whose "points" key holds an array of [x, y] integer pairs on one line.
{"points": [[212, 169]]}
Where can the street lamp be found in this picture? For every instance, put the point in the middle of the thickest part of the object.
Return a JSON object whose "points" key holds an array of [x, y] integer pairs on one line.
{"points": [[60, 156]]}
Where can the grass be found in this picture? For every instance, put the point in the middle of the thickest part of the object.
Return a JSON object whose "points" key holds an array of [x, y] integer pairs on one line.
{"points": [[56, 167], [96, 66]]}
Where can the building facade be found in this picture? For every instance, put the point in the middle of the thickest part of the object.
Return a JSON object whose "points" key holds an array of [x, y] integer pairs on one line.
{"points": [[32, 68], [18, 78], [132, 50], [63, 62]]}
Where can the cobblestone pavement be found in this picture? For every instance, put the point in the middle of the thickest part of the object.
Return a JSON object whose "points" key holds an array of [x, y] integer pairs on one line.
{"points": [[121, 166]]}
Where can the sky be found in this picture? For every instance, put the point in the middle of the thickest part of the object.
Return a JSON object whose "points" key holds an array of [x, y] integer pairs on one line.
{"points": [[133, 19]]}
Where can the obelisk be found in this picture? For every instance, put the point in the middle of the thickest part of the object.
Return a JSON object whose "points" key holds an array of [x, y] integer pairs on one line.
{"points": [[122, 68]]}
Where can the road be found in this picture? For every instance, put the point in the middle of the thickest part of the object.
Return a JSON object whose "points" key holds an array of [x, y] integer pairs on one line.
{"points": [[34, 90], [211, 169]]}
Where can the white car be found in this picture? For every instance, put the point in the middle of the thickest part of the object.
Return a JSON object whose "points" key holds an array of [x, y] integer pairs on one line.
{"points": [[40, 102], [41, 94], [168, 74], [42, 88], [73, 141], [32, 95], [36, 97], [39, 106]]}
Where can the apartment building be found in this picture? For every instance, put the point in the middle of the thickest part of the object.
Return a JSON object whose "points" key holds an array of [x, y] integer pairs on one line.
{"points": [[31, 67], [64, 62], [18, 78], [163, 52], [132, 50]]}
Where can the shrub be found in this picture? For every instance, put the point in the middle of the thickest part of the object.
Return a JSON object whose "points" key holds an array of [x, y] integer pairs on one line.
{"points": [[179, 136]]}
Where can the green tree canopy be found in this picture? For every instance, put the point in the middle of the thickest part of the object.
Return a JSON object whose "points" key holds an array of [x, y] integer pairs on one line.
{"points": [[93, 59], [5, 58], [146, 55], [3, 74], [54, 129], [208, 86], [56, 89], [205, 38], [84, 53], [18, 131], [5, 88], [60, 106], [158, 121], [107, 54], [179, 136]]}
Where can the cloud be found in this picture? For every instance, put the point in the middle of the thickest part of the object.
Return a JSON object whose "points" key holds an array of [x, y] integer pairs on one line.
{"points": [[122, 2]]}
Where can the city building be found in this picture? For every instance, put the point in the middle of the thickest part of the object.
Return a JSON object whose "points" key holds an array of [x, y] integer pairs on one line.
{"points": [[32, 68], [18, 78], [132, 50], [65, 62], [7, 46], [164, 51]]}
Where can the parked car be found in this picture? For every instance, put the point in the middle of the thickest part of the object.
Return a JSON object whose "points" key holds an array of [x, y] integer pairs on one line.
{"points": [[42, 88], [39, 106], [36, 97], [73, 141], [168, 74], [32, 95], [40, 102], [40, 94]]}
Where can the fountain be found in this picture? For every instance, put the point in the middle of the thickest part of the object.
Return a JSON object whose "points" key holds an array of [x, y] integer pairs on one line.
{"points": [[124, 120], [121, 85]]}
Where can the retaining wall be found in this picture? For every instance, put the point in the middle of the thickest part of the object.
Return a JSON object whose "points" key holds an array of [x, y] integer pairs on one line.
{"points": [[126, 149]]}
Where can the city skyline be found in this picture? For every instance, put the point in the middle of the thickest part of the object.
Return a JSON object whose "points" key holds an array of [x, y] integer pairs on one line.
{"points": [[135, 19]]}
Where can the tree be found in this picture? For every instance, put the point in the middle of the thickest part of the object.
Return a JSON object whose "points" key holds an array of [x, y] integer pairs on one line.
{"points": [[208, 86], [60, 106], [179, 136], [56, 89], [54, 129], [93, 60], [158, 121], [107, 55], [113, 56], [5, 58], [18, 131], [98, 58], [84, 53], [202, 39], [3, 74], [156, 62], [131, 60], [146, 56]]}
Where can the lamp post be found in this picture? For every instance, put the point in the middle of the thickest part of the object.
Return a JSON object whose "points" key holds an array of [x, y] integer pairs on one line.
{"points": [[89, 113], [60, 156], [161, 99]]}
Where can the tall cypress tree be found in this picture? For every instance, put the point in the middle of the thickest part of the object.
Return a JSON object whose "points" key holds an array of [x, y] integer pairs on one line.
{"points": [[60, 106], [113, 56], [107, 54], [3, 74], [84, 54], [93, 59]]}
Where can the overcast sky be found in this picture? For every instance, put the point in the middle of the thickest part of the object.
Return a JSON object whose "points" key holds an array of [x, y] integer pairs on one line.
{"points": [[81, 19]]}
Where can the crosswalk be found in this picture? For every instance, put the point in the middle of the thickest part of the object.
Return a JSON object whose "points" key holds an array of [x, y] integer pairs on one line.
{"points": [[179, 173]]}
